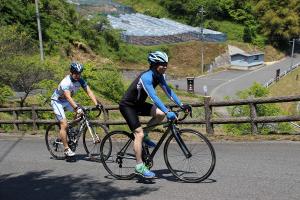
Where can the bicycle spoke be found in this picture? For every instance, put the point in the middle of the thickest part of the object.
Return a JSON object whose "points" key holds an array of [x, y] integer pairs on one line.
{"points": [[53, 142], [195, 168], [121, 161], [92, 139]]}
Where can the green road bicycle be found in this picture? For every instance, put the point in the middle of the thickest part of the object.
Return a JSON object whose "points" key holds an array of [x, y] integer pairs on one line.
{"points": [[92, 134], [188, 154]]}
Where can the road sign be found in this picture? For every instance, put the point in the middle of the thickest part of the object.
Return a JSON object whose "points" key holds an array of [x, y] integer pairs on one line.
{"points": [[190, 84], [205, 90]]}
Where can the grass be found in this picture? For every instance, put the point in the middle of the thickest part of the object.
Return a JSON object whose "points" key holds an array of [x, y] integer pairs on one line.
{"points": [[185, 57], [232, 30], [146, 7], [288, 85]]}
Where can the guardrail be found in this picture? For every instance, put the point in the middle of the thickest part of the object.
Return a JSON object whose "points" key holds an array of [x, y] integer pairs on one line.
{"points": [[208, 120], [282, 74]]}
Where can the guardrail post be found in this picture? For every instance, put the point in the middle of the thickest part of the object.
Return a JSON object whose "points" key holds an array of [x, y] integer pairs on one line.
{"points": [[208, 115], [253, 116], [34, 118], [15, 115]]}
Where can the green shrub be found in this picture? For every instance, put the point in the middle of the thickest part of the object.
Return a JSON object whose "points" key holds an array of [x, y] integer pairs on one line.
{"points": [[5, 92]]}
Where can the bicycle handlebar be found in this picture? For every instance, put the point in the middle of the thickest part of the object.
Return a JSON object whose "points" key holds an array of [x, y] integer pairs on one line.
{"points": [[186, 113], [86, 110]]}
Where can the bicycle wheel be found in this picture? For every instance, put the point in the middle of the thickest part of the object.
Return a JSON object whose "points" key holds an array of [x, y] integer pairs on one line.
{"points": [[54, 143], [121, 162], [91, 141], [196, 168]]}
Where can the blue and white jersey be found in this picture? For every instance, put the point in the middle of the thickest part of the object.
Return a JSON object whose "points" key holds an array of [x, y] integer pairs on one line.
{"points": [[143, 86], [67, 84]]}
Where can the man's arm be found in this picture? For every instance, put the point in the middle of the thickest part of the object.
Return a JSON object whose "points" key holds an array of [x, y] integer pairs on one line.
{"points": [[90, 93], [67, 94], [149, 89], [169, 92]]}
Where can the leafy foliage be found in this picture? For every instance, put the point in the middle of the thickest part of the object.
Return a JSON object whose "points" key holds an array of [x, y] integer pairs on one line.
{"points": [[14, 42], [108, 83], [279, 20], [24, 74], [5, 92]]}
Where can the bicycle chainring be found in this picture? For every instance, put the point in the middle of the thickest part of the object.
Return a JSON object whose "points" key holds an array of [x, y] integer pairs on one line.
{"points": [[149, 163], [72, 145]]}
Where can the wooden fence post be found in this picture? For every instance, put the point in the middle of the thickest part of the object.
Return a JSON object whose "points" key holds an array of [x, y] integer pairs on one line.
{"points": [[253, 116], [34, 118], [15, 115], [208, 114], [106, 116]]}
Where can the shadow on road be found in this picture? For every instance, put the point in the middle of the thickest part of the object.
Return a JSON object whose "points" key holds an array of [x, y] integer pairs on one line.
{"points": [[160, 174], [166, 174], [41, 185]]}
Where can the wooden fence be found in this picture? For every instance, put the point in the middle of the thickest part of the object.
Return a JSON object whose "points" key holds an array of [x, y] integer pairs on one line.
{"points": [[209, 120]]}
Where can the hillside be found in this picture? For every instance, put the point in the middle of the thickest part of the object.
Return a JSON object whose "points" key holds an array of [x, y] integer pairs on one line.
{"points": [[288, 85], [69, 36]]}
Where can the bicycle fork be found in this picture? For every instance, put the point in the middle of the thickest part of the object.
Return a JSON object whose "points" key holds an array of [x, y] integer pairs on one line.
{"points": [[94, 136], [183, 147]]}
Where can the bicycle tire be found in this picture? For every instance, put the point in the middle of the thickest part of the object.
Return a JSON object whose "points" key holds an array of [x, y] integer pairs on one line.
{"points": [[53, 142], [91, 147], [203, 154], [119, 164]]}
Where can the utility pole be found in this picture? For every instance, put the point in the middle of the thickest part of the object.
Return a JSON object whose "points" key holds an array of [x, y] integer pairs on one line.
{"points": [[39, 29], [292, 54], [77, 5], [201, 12]]}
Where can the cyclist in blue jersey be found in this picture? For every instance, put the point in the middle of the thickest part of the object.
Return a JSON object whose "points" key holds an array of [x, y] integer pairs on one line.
{"points": [[133, 104], [62, 99]]}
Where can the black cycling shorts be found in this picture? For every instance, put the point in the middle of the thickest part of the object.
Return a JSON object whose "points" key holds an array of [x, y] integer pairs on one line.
{"points": [[131, 113]]}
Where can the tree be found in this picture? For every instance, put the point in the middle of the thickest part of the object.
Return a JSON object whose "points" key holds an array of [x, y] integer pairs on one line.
{"points": [[249, 34], [279, 20], [23, 75], [19, 68], [14, 42]]}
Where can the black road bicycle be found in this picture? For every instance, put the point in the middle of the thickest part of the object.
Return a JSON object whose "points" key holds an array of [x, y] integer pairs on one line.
{"points": [[188, 154], [92, 134]]}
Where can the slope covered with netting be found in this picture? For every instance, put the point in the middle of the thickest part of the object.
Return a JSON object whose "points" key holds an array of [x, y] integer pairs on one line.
{"points": [[145, 30]]}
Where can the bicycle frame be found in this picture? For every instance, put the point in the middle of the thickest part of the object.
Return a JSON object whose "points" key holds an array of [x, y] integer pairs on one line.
{"points": [[85, 124], [171, 127], [91, 131]]}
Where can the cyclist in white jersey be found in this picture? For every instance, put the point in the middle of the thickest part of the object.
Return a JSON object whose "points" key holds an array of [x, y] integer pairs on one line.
{"points": [[62, 99]]}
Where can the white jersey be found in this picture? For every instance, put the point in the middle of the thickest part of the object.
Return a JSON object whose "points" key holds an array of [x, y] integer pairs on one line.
{"points": [[67, 84]]}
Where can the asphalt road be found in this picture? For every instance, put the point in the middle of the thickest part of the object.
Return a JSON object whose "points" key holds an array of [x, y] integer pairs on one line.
{"points": [[244, 171], [227, 83]]}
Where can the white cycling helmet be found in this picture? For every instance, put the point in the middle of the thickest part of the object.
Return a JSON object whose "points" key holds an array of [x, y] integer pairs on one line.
{"points": [[157, 57]]}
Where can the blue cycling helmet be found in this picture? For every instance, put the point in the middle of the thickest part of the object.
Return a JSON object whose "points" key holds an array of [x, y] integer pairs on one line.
{"points": [[157, 57], [76, 67]]}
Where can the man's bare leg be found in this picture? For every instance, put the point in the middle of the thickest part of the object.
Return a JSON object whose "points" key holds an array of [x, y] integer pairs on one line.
{"points": [[157, 116], [63, 132]]}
